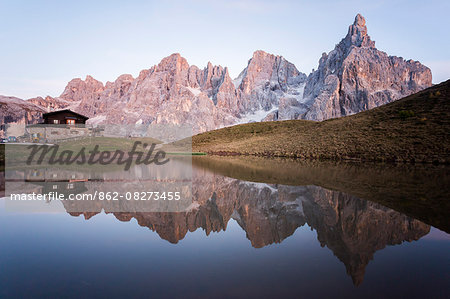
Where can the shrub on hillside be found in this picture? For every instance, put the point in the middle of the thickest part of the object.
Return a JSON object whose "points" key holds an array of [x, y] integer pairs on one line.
{"points": [[404, 114]]}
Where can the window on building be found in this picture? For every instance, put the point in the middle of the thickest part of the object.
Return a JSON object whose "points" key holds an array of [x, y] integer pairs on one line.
{"points": [[55, 187], [55, 121], [70, 121]]}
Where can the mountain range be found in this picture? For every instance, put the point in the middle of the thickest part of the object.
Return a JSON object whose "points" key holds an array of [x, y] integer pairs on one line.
{"points": [[353, 77]]}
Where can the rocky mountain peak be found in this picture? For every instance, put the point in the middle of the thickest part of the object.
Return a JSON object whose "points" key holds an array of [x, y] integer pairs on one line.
{"points": [[355, 76], [125, 77], [359, 21], [357, 34], [267, 79], [122, 79], [260, 54], [77, 88], [225, 70], [90, 80], [49, 103], [264, 67], [173, 63]]}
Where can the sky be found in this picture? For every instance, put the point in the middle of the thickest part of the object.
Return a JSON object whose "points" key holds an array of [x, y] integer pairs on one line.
{"points": [[45, 44]]}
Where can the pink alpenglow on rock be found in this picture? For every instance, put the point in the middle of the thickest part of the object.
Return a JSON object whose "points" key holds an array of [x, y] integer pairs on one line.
{"points": [[354, 77]]}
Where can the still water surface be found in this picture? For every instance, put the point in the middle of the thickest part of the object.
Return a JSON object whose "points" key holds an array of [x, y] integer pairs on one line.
{"points": [[256, 228]]}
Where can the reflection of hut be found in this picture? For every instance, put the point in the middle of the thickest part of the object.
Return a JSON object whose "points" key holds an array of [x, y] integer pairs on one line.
{"points": [[56, 180], [35, 175], [53, 175], [62, 187]]}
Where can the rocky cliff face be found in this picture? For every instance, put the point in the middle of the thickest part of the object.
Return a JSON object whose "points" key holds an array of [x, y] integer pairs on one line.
{"points": [[174, 92], [171, 92], [78, 90], [15, 110], [355, 76], [268, 80], [49, 103]]}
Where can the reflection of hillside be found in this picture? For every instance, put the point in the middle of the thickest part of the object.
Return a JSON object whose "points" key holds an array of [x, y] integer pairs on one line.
{"points": [[419, 191], [352, 228]]}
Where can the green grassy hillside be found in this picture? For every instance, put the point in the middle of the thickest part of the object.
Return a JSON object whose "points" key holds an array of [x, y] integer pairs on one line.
{"points": [[413, 129]]}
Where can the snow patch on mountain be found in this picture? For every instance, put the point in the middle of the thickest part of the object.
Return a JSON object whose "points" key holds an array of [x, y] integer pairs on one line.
{"points": [[297, 92], [238, 80], [260, 186], [256, 116], [195, 91]]}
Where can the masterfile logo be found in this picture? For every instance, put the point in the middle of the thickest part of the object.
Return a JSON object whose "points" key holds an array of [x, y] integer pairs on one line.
{"points": [[91, 157], [116, 168]]}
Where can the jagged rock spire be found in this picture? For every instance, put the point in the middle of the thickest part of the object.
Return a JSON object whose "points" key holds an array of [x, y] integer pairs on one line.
{"points": [[357, 34], [355, 76]]}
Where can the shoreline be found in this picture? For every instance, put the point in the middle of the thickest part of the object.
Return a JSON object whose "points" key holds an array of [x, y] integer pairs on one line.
{"points": [[327, 159]]}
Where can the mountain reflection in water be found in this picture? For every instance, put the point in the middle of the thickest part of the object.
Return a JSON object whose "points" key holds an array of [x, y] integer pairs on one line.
{"points": [[270, 199]]}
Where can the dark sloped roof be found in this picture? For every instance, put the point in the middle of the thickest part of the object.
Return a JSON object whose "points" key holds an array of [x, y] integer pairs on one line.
{"points": [[65, 110]]}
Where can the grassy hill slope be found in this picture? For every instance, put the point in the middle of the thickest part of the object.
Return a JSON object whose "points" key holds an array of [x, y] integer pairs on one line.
{"points": [[412, 129]]}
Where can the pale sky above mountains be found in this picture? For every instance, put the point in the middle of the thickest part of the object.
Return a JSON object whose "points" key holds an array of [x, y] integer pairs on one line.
{"points": [[44, 44]]}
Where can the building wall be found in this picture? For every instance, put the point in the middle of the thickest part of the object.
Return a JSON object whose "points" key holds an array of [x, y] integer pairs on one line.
{"points": [[56, 133]]}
